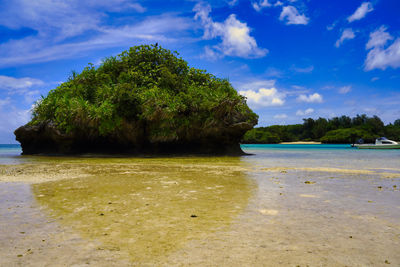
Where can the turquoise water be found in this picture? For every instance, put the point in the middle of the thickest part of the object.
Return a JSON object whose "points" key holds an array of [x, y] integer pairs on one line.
{"points": [[327, 155], [295, 147], [324, 155], [10, 154], [10, 150]]}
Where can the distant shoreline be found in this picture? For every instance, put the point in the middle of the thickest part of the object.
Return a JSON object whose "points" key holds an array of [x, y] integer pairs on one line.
{"points": [[301, 143]]}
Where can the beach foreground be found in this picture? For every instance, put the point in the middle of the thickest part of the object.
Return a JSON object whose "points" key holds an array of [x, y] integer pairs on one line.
{"points": [[294, 207]]}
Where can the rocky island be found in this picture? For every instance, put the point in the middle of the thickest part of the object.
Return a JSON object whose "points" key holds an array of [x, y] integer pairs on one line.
{"points": [[146, 100]]}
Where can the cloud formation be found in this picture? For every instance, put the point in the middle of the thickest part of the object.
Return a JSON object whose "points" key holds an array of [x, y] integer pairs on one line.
{"points": [[361, 12], [18, 84], [312, 98], [381, 56], [261, 4], [378, 38], [345, 89], [280, 116], [11, 118], [263, 97], [292, 16], [5, 102], [304, 112], [261, 93], [308, 69], [347, 34], [66, 29], [235, 35]]}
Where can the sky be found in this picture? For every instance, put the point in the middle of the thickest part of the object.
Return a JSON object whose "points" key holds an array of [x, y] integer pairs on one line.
{"points": [[292, 59]]}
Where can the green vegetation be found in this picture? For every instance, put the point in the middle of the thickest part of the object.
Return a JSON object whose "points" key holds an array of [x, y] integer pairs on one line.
{"points": [[148, 91], [336, 130]]}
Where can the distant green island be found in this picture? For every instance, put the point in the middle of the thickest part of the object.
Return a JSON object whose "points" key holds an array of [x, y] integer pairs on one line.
{"points": [[337, 130], [146, 100]]}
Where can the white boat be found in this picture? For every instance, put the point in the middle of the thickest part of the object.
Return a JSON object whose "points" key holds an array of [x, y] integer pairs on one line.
{"points": [[380, 143]]}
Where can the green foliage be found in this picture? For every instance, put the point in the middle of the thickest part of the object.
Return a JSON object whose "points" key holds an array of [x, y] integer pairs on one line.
{"points": [[336, 130], [392, 131], [147, 86], [347, 136], [259, 136]]}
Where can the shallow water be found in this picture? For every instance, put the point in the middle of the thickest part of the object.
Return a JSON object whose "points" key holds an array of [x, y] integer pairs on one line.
{"points": [[10, 154], [285, 205], [151, 209]]}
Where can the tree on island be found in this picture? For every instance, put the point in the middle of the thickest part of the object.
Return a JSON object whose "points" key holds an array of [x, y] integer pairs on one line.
{"points": [[337, 130], [145, 100]]}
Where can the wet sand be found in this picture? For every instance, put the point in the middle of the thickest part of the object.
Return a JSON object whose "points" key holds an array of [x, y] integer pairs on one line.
{"points": [[197, 212]]}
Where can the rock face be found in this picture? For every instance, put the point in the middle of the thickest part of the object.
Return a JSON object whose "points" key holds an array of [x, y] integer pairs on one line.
{"points": [[145, 101], [45, 138]]}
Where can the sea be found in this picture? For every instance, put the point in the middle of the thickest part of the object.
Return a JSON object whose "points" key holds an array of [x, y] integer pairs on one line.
{"points": [[322, 155], [282, 204], [289, 155], [10, 154]]}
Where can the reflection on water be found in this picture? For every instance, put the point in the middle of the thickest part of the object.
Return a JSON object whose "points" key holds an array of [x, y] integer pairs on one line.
{"points": [[151, 207]]}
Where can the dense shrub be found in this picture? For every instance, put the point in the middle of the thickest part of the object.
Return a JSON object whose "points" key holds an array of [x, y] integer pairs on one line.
{"points": [[147, 88]]}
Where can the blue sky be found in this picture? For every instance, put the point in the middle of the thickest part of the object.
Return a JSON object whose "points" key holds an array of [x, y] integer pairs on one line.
{"points": [[292, 59]]}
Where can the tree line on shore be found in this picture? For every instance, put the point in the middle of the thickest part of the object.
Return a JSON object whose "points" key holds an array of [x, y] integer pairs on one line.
{"points": [[337, 130]]}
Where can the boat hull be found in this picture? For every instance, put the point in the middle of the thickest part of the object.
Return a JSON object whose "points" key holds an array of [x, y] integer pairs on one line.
{"points": [[372, 146]]}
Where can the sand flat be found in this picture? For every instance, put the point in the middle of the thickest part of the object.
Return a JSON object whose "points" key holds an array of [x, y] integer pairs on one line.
{"points": [[197, 211]]}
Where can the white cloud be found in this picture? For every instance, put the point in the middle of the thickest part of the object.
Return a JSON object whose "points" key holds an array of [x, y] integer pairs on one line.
{"points": [[5, 102], [361, 12], [211, 54], [261, 4], [305, 112], [264, 97], [378, 38], [380, 57], [292, 16], [345, 89], [347, 34], [138, 7], [36, 49], [11, 118], [18, 84], [312, 98], [261, 93], [254, 84], [273, 72], [308, 69], [235, 35], [280, 116], [62, 19], [31, 96], [71, 28], [331, 27], [233, 2]]}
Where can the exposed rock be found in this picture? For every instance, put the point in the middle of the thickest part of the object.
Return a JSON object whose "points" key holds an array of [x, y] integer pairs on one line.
{"points": [[45, 138]]}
